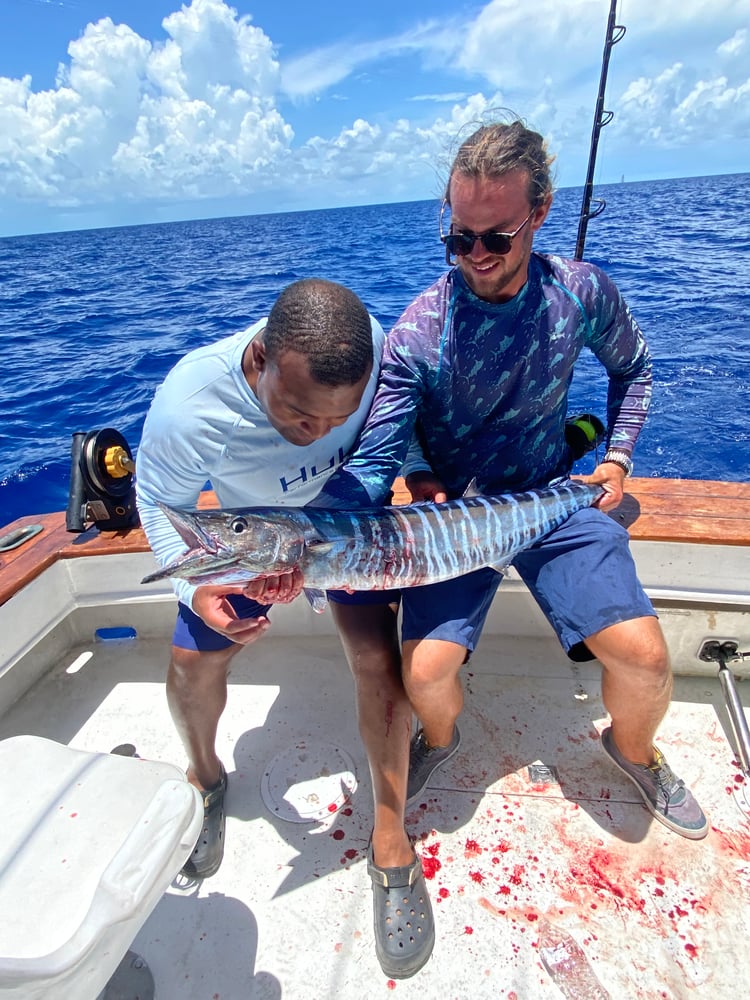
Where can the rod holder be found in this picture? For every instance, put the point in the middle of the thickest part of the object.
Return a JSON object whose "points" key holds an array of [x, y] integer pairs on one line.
{"points": [[721, 651]]}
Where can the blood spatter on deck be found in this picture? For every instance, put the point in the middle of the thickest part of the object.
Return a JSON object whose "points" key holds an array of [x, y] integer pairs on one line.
{"points": [[472, 849], [734, 843], [430, 867], [516, 877]]}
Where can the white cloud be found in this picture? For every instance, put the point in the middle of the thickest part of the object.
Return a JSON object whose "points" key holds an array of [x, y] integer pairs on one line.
{"points": [[403, 151], [440, 98], [192, 117], [735, 46], [315, 71], [217, 46], [508, 48], [684, 104]]}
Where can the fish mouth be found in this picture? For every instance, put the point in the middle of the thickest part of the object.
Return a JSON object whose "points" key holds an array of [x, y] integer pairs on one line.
{"points": [[206, 558]]}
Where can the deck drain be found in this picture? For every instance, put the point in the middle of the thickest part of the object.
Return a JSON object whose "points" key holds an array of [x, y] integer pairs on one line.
{"points": [[542, 774], [308, 782]]}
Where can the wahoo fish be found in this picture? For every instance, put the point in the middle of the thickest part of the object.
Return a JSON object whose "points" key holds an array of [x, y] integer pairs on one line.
{"points": [[370, 549]]}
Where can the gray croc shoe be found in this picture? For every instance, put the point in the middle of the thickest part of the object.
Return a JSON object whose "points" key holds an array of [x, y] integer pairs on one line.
{"points": [[402, 917], [209, 849]]}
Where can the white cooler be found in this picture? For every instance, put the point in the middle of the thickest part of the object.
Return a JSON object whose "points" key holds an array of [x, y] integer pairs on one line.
{"points": [[88, 845]]}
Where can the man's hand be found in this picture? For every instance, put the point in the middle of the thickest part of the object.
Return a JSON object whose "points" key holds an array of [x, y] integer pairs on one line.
{"points": [[611, 478], [210, 603], [280, 589], [425, 486]]}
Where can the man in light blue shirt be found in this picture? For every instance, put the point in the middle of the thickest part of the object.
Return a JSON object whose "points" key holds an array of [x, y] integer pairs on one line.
{"points": [[266, 415]]}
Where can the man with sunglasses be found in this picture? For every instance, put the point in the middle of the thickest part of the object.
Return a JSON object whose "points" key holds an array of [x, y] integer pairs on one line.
{"points": [[480, 365]]}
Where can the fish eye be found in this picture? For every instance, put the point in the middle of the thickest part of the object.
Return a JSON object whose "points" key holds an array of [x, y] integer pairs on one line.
{"points": [[238, 525]]}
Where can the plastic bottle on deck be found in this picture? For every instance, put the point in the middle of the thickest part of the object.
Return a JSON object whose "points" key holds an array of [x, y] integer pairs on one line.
{"points": [[566, 962]]}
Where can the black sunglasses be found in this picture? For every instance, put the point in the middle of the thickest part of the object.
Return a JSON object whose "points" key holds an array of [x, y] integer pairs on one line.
{"points": [[461, 243]]}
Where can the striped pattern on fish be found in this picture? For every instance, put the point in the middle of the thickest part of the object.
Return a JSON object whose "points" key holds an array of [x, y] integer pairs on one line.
{"points": [[377, 549]]}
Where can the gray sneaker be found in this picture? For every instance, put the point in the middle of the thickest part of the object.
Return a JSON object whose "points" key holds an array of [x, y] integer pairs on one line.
{"points": [[664, 794], [424, 759]]}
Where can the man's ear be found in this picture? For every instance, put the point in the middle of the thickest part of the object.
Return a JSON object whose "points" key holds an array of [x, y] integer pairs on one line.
{"points": [[541, 213], [254, 360], [258, 353]]}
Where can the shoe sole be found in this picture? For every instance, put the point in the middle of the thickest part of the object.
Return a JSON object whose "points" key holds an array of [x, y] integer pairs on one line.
{"points": [[664, 820]]}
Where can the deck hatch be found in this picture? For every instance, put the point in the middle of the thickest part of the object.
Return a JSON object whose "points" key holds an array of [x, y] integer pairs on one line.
{"points": [[542, 774]]}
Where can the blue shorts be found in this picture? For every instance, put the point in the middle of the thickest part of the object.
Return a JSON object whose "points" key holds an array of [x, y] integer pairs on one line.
{"points": [[582, 575], [191, 632], [364, 596]]}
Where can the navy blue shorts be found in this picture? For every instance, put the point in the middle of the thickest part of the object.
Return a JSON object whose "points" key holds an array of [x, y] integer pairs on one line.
{"points": [[364, 596], [582, 575], [191, 632]]}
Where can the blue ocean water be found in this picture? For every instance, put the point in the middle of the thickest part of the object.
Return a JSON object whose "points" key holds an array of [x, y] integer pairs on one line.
{"points": [[91, 321]]}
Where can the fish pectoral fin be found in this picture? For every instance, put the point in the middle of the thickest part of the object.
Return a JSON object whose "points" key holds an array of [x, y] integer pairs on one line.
{"points": [[319, 545], [317, 598], [500, 567], [472, 490]]}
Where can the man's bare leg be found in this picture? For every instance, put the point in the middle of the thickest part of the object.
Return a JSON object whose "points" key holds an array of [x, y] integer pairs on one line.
{"points": [[636, 687], [636, 683], [197, 696], [431, 669], [369, 636], [403, 923]]}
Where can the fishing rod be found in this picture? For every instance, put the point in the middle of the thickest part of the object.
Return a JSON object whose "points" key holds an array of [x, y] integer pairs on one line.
{"points": [[615, 33]]}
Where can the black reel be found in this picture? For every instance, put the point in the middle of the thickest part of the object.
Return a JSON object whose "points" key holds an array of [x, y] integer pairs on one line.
{"points": [[583, 433], [102, 489]]}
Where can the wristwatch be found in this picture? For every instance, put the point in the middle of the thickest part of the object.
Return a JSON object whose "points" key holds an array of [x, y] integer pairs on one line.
{"points": [[620, 458]]}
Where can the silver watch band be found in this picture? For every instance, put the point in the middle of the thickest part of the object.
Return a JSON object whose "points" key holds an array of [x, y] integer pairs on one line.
{"points": [[620, 458]]}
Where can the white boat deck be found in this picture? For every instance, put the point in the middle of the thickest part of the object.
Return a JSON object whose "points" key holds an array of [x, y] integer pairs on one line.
{"points": [[289, 913]]}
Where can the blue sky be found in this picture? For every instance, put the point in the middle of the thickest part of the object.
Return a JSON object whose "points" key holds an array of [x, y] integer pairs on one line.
{"points": [[128, 111]]}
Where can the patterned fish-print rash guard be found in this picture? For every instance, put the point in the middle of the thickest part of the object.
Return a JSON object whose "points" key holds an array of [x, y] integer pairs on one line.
{"points": [[486, 384]]}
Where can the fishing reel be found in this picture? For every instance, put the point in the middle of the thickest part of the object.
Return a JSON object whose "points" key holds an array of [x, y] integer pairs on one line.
{"points": [[583, 433], [102, 489]]}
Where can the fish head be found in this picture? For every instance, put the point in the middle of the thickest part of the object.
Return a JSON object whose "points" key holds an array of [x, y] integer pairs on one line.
{"points": [[232, 546]]}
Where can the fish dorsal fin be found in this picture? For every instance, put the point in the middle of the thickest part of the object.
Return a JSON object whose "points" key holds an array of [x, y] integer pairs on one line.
{"points": [[472, 490], [317, 598]]}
